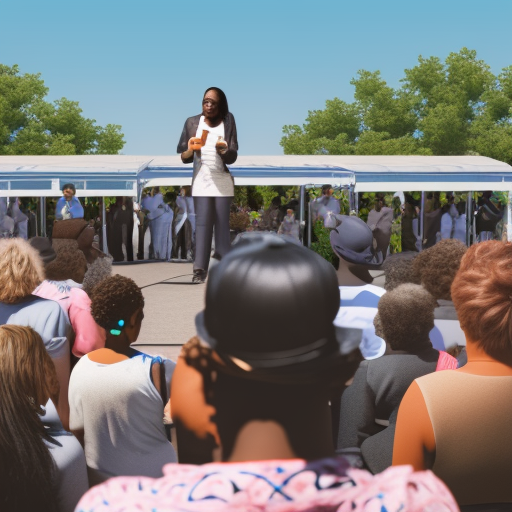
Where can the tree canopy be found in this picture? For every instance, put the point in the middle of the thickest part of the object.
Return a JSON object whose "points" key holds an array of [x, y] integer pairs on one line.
{"points": [[454, 107], [29, 125]]}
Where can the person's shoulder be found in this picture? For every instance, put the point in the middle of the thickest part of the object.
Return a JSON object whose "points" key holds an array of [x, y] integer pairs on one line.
{"points": [[193, 119]]}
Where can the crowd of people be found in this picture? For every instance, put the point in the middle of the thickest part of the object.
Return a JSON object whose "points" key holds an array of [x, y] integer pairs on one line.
{"points": [[365, 398], [306, 388]]}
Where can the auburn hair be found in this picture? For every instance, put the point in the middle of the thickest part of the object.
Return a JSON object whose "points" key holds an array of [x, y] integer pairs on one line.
{"points": [[482, 294]]}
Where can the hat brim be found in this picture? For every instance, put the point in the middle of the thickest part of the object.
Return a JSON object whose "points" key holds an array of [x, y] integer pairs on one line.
{"points": [[371, 260]]}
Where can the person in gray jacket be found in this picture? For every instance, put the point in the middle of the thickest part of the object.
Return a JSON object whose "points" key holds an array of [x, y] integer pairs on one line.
{"points": [[370, 404]]}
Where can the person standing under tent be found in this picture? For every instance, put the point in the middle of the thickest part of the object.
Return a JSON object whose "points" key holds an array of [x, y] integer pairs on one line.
{"points": [[185, 226], [160, 218], [209, 140], [69, 206], [326, 207]]}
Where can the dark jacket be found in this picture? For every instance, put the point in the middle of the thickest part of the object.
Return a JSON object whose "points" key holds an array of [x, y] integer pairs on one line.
{"points": [[190, 130], [375, 394]]}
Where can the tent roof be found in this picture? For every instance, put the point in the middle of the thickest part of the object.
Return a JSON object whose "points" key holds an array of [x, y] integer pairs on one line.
{"points": [[93, 175], [119, 174], [375, 173]]}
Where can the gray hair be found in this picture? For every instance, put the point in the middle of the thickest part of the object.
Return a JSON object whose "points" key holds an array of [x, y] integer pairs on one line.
{"points": [[406, 316], [98, 270]]}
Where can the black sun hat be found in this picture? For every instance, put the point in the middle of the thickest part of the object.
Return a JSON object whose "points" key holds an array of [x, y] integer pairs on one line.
{"points": [[352, 240], [270, 307]]}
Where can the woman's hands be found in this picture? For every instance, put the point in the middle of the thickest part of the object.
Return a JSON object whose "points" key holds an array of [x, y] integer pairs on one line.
{"points": [[221, 146]]}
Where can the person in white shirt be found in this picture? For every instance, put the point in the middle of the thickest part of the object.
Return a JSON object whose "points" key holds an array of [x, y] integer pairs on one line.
{"points": [[210, 141]]}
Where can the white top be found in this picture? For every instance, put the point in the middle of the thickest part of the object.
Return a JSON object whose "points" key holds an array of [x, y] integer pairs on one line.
{"points": [[360, 316], [121, 413], [211, 179]]}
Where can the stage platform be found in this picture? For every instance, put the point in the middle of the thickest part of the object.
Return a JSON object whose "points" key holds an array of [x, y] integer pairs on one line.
{"points": [[170, 309]]}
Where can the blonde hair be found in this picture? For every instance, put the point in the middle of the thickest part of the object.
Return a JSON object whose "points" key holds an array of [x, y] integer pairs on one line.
{"points": [[21, 270]]}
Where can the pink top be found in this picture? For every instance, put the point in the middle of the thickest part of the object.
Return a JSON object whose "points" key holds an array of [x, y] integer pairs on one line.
{"points": [[76, 303], [273, 485]]}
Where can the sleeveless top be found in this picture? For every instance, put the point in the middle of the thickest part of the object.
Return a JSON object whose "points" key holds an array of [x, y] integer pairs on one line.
{"points": [[121, 413], [471, 418]]}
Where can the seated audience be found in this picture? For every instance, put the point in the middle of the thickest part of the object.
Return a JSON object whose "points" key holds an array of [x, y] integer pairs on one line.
{"points": [[267, 382], [21, 272], [63, 284], [41, 468], [116, 393], [98, 270], [457, 423], [353, 243], [370, 404], [435, 269]]}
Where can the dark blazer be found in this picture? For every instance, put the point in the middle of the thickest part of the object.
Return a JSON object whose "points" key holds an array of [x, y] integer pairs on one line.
{"points": [[230, 136], [375, 394]]}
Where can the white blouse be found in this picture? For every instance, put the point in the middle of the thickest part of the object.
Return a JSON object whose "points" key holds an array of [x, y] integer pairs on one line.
{"points": [[211, 179]]}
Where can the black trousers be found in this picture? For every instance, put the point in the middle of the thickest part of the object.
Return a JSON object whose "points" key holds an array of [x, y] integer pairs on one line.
{"points": [[211, 212]]}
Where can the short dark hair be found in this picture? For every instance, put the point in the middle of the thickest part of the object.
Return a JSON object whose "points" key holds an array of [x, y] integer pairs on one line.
{"points": [[113, 299], [69, 186], [223, 102], [326, 188]]}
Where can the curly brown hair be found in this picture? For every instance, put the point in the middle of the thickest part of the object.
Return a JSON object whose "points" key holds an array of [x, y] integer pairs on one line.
{"points": [[482, 294], [115, 298], [398, 270], [69, 264], [405, 316], [436, 267]]}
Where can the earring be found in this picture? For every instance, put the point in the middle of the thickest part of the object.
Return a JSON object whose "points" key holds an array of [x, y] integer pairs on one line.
{"points": [[117, 332]]}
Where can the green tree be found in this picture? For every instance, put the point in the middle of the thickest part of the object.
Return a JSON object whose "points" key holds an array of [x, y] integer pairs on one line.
{"points": [[29, 125], [453, 107]]}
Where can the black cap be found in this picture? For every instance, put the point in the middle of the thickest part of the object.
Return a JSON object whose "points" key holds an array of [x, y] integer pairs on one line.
{"points": [[270, 307]]}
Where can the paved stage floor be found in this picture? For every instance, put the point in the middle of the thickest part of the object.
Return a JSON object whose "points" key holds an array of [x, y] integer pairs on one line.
{"points": [[170, 309]]}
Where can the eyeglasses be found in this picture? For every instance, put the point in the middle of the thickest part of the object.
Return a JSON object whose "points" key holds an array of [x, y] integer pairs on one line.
{"points": [[207, 101]]}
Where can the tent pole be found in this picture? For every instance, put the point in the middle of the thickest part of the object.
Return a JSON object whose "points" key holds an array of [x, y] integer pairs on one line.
{"points": [[422, 218], [469, 218], [302, 212], [104, 225], [351, 205], [509, 216], [309, 224], [356, 203], [42, 213]]}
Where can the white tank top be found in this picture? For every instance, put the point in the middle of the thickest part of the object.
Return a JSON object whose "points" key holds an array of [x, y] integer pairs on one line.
{"points": [[211, 180], [121, 413]]}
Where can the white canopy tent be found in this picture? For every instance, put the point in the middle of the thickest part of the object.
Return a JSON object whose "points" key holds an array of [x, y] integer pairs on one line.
{"points": [[92, 175], [121, 175]]}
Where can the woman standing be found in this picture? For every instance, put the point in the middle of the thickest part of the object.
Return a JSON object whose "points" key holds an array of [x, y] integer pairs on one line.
{"points": [[209, 140]]}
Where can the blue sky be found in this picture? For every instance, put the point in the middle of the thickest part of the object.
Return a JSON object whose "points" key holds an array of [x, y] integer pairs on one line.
{"points": [[145, 64]]}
